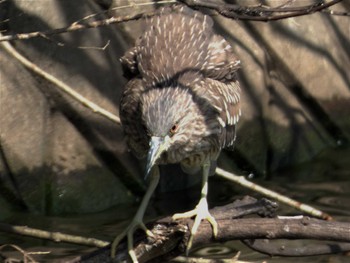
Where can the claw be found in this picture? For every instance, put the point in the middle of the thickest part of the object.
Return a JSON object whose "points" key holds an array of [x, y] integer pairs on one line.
{"points": [[201, 212], [128, 232]]}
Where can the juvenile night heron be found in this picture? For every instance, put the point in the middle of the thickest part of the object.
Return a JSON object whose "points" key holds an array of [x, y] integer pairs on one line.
{"points": [[181, 104]]}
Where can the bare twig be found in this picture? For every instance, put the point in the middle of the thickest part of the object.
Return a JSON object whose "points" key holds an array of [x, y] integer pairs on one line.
{"points": [[54, 236], [26, 257], [59, 84], [260, 13], [132, 5], [76, 27], [252, 13], [271, 194], [336, 13], [234, 259]]}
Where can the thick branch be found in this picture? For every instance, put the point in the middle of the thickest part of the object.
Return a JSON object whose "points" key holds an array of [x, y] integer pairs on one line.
{"points": [[171, 237], [275, 228]]}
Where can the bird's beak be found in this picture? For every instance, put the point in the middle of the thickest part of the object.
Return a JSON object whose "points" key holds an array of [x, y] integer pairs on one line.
{"points": [[158, 145]]}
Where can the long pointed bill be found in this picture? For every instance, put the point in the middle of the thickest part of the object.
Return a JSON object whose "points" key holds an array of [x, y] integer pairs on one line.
{"points": [[157, 146]]}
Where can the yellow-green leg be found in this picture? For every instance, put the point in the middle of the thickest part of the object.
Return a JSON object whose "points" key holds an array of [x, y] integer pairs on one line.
{"points": [[201, 211], [137, 221]]}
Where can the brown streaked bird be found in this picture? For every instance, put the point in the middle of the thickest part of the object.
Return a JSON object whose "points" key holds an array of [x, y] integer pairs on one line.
{"points": [[181, 104]]}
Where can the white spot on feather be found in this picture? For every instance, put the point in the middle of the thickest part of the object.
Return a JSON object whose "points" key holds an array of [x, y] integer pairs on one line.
{"points": [[220, 120]]}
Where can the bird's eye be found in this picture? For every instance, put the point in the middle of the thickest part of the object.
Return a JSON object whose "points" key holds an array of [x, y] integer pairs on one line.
{"points": [[174, 129]]}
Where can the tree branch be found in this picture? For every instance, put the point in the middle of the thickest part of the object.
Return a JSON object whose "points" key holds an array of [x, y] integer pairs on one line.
{"points": [[241, 180], [238, 12], [53, 236], [26, 256], [259, 13], [171, 237], [58, 83], [76, 27]]}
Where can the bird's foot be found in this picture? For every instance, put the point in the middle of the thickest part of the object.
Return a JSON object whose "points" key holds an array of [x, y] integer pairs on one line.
{"points": [[201, 212], [128, 233]]}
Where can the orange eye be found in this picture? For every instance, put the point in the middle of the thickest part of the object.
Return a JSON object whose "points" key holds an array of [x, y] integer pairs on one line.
{"points": [[174, 129]]}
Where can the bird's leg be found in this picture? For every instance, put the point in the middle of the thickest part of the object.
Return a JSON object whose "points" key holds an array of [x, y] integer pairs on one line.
{"points": [[137, 220], [201, 211]]}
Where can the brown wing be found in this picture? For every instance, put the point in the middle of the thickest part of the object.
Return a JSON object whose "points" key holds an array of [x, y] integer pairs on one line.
{"points": [[221, 63], [225, 99], [223, 87]]}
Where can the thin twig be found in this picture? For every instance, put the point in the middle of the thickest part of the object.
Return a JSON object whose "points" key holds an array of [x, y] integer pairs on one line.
{"points": [[252, 13], [25, 254], [59, 84], [241, 180], [132, 5], [336, 13], [259, 13], [194, 259], [54, 236], [76, 27]]}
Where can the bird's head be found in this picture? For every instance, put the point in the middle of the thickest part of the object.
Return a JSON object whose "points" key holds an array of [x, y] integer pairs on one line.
{"points": [[172, 120]]}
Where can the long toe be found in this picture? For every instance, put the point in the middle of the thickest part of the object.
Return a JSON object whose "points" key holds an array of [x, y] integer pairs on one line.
{"points": [[128, 233], [201, 212]]}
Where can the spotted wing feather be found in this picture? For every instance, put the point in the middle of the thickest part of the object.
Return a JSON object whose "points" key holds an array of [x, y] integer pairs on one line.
{"points": [[225, 98], [223, 87]]}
